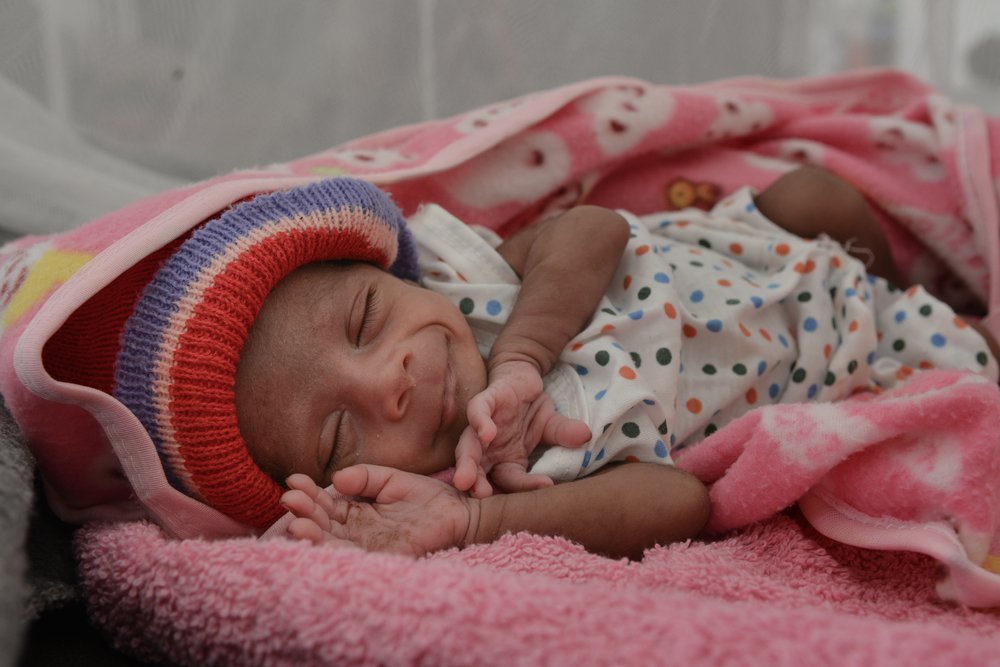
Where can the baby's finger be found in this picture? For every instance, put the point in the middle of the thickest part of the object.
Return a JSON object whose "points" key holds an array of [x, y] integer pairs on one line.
{"points": [[513, 478], [482, 488], [468, 454], [565, 432], [303, 506], [480, 415], [303, 529]]}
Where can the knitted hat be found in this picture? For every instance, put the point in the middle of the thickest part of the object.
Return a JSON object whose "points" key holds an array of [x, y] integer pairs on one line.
{"points": [[176, 364]]}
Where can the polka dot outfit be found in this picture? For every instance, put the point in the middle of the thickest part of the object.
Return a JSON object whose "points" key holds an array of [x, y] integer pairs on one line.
{"points": [[709, 315]]}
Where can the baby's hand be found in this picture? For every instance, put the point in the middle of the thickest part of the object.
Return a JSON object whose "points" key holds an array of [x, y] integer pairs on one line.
{"points": [[407, 514], [507, 421]]}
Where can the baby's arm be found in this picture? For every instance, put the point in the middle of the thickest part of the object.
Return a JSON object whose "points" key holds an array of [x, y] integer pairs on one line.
{"points": [[618, 511], [565, 265]]}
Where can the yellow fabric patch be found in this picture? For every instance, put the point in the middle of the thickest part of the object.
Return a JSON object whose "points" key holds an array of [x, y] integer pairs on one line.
{"points": [[328, 171], [53, 268], [991, 563]]}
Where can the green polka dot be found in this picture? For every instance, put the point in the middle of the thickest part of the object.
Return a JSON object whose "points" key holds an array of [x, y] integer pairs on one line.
{"points": [[740, 369], [630, 429], [466, 305], [663, 356], [636, 359], [925, 310], [852, 366], [898, 344], [662, 428], [696, 264], [708, 369], [710, 429], [982, 359], [732, 302], [833, 292], [605, 428], [804, 297], [644, 293], [602, 357], [799, 375], [609, 311], [704, 243], [829, 379]]}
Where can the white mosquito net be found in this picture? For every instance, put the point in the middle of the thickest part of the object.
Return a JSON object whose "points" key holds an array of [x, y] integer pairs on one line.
{"points": [[103, 101]]}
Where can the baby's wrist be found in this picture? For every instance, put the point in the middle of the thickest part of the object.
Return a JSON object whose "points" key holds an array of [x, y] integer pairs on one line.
{"points": [[484, 519]]}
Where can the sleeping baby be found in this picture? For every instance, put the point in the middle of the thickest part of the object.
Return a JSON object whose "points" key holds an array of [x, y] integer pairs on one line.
{"points": [[562, 366]]}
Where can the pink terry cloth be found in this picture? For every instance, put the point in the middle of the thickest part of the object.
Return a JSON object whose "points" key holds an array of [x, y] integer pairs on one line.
{"points": [[775, 593]]}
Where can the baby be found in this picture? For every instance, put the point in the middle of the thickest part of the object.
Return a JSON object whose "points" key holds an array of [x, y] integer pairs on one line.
{"points": [[609, 341]]}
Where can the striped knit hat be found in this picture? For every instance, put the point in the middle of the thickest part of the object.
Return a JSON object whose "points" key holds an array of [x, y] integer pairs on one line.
{"points": [[178, 352]]}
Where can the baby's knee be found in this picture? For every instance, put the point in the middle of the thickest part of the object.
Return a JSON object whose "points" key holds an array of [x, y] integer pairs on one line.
{"points": [[810, 201]]}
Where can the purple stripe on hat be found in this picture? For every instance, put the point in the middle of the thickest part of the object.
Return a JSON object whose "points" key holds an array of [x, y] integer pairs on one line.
{"points": [[190, 269]]}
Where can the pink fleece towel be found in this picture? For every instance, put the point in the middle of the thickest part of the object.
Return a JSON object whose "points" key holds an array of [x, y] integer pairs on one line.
{"points": [[772, 594]]}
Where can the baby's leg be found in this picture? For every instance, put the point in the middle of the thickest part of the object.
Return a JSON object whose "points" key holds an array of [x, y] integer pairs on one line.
{"points": [[811, 201]]}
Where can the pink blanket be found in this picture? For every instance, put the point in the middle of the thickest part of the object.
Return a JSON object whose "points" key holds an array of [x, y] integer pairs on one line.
{"points": [[914, 469]]}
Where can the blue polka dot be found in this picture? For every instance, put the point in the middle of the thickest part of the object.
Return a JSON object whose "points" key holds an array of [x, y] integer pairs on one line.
{"points": [[600, 455], [660, 449], [812, 391], [773, 391], [661, 277], [714, 326], [618, 346], [809, 324], [773, 285], [599, 395], [649, 401], [937, 340], [493, 307], [635, 315], [900, 315], [849, 292], [751, 207], [697, 296], [761, 367], [756, 301], [581, 370], [586, 459], [870, 359], [782, 340], [665, 248], [665, 223]]}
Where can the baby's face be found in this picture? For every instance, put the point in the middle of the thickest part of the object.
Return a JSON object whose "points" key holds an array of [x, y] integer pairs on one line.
{"points": [[348, 364]]}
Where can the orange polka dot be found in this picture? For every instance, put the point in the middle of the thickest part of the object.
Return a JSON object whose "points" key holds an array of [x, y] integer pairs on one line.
{"points": [[835, 262], [693, 405], [631, 458], [853, 326], [806, 267], [641, 250], [782, 249], [764, 334], [626, 373], [827, 350], [461, 277], [669, 309], [736, 248], [744, 330], [911, 291], [926, 365], [751, 395], [960, 323], [904, 373], [689, 331], [724, 283], [607, 327], [626, 282], [694, 251], [682, 223], [576, 346]]}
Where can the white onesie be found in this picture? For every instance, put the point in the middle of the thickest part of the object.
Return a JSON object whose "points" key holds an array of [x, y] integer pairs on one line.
{"points": [[708, 316]]}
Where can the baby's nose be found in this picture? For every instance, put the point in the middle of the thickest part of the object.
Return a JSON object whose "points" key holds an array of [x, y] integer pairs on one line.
{"points": [[393, 386]]}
